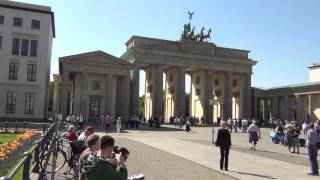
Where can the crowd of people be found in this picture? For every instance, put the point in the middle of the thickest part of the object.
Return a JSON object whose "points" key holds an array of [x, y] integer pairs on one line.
{"points": [[290, 130]]}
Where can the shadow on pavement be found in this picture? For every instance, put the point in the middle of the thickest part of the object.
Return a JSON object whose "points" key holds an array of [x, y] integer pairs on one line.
{"points": [[257, 175]]}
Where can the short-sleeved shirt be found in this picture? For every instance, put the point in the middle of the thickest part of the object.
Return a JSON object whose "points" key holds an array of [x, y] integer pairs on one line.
{"points": [[312, 137]]}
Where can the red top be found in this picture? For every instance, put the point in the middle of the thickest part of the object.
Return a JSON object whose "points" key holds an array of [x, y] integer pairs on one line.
{"points": [[72, 136]]}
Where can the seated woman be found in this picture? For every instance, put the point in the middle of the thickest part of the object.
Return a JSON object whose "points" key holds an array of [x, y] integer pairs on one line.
{"points": [[72, 134]]}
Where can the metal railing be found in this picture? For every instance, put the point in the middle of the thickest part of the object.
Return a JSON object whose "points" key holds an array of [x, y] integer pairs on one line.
{"points": [[39, 148]]}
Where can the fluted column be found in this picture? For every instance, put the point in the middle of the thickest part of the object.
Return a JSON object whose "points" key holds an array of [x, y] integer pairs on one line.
{"points": [[78, 92], [64, 93], [125, 100], [157, 105], [134, 96], [84, 106], [309, 107], [247, 96], [286, 107], [180, 91], [208, 95], [227, 96], [109, 100]]}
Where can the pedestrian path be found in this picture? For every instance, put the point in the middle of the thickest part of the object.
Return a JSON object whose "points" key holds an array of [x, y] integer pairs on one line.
{"points": [[241, 165]]}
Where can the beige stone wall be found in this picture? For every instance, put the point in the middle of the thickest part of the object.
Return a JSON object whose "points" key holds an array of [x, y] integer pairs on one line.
{"points": [[21, 86], [314, 74]]}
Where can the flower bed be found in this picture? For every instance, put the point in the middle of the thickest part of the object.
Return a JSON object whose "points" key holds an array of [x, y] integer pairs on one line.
{"points": [[11, 151]]}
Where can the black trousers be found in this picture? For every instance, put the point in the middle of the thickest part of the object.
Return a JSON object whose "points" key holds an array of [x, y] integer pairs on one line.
{"points": [[224, 152]]}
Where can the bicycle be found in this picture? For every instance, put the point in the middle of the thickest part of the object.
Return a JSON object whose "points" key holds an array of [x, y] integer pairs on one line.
{"points": [[53, 161]]}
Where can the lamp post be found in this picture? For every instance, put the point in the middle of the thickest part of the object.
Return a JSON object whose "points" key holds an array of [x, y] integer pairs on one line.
{"points": [[213, 102]]}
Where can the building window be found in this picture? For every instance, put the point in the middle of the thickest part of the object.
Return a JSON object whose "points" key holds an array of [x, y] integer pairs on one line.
{"points": [[34, 48], [35, 24], [29, 103], [11, 102], [13, 70], [0, 42], [17, 22], [32, 72], [96, 85], [1, 19], [25, 47], [15, 46]]}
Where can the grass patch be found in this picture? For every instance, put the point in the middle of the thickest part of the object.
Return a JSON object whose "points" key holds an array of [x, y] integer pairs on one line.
{"points": [[5, 138]]}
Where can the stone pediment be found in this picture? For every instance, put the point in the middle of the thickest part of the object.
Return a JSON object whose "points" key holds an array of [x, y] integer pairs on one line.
{"points": [[94, 57]]}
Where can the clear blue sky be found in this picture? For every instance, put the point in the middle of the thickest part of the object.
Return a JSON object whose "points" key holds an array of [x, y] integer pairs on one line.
{"points": [[283, 36]]}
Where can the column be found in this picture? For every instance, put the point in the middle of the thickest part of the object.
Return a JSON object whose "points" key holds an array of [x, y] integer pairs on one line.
{"points": [[180, 91], [109, 103], [275, 107], [84, 106], [77, 92], [309, 108], [64, 93], [247, 96], [125, 94], [157, 99], [227, 96], [208, 95], [286, 107], [134, 96]]}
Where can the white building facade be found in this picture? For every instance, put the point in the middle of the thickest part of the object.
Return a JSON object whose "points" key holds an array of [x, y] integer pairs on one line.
{"points": [[26, 35]]}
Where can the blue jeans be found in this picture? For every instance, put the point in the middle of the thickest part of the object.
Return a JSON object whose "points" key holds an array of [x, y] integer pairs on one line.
{"points": [[313, 153]]}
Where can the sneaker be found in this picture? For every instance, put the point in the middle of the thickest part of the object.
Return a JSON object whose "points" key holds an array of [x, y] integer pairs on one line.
{"points": [[251, 148], [226, 169], [293, 152], [298, 152]]}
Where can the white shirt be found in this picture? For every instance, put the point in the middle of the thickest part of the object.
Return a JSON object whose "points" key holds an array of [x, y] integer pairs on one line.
{"points": [[304, 126]]}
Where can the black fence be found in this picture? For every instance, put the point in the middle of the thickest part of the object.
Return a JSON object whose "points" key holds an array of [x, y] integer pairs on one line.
{"points": [[39, 148]]}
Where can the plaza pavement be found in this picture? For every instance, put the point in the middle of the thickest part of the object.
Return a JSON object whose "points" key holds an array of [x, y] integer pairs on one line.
{"points": [[173, 154], [270, 161]]}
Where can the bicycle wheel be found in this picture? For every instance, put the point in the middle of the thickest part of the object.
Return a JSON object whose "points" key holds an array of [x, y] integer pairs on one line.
{"points": [[76, 167], [52, 162]]}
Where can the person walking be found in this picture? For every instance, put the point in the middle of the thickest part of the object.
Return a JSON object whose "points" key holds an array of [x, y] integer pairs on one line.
{"points": [[224, 142], [253, 131], [81, 120], [312, 140], [118, 125], [108, 122]]}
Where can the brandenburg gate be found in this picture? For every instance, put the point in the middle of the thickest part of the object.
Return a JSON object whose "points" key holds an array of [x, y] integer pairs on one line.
{"points": [[218, 73]]}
